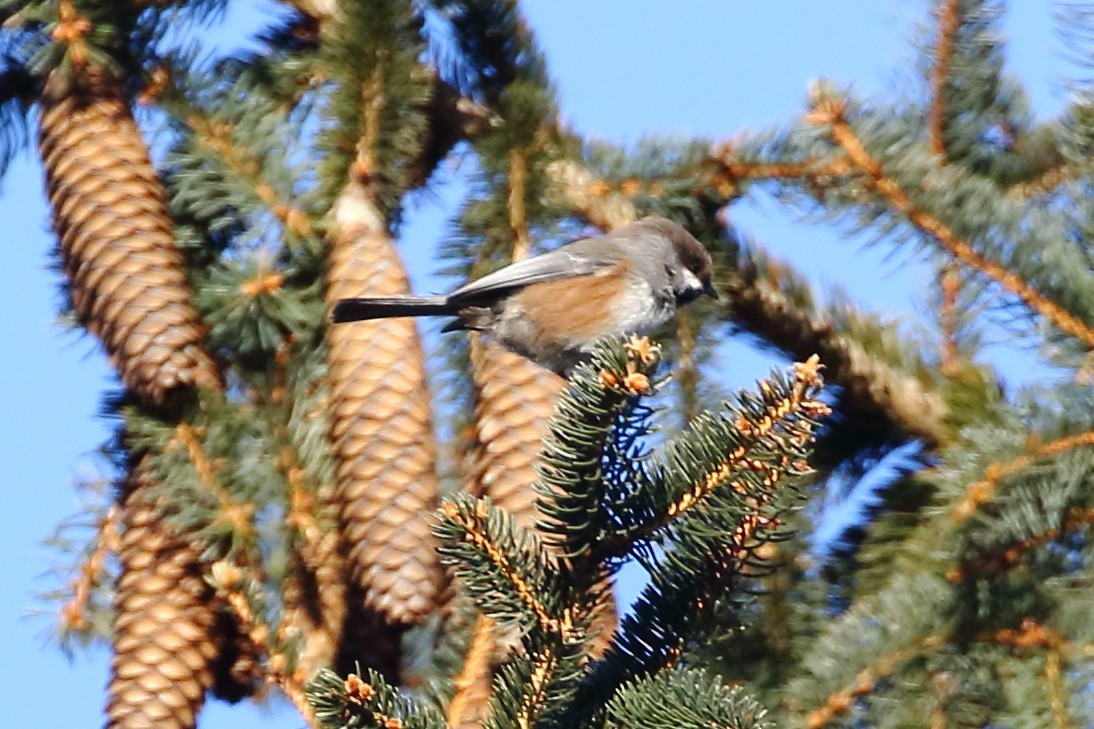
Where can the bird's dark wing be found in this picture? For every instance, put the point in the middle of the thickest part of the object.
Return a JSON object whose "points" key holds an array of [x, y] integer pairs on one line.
{"points": [[553, 266]]}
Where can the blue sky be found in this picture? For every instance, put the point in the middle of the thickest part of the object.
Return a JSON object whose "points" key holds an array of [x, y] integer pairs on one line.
{"points": [[624, 69]]}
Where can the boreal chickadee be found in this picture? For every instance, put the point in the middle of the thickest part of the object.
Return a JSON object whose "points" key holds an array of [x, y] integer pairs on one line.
{"points": [[554, 306]]}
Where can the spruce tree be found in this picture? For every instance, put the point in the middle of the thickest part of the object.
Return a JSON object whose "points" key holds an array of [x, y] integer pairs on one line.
{"points": [[298, 507]]}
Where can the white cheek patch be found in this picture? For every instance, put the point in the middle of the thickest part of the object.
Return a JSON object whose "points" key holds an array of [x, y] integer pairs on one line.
{"points": [[692, 281]]}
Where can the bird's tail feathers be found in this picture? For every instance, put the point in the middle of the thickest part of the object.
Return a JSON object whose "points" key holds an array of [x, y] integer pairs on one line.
{"points": [[387, 307]]}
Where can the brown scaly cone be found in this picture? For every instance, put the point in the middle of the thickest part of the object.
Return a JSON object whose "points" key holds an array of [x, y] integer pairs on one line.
{"points": [[171, 643], [382, 436], [172, 639], [125, 273], [514, 401]]}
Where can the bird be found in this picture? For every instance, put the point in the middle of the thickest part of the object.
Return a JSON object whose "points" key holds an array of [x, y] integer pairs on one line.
{"points": [[553, 307]]}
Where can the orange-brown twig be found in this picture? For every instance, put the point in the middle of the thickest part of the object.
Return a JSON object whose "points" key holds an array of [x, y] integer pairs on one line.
{"points": [[239, 516], [475, 533], [216, 135], [74, 612], [729, 171], [1032, 634], [948, 22], [1057, 701], [996, 562], [830, 112], [866, 680], [1048, 180], [810, 169], [473, 674], [983, 491], [229, 579], [949, 279], [807, 374], [518, 215], [1029, 634], [545, 664]]}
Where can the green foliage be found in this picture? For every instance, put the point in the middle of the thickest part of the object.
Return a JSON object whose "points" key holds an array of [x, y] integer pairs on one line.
{"points": [[17, 90], [355, 703], [381, 88], [517, 585], [684, 698], [496, 50]]}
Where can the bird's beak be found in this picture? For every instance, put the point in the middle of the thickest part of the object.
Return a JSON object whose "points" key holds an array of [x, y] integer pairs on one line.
{"points": [[708, 289]]}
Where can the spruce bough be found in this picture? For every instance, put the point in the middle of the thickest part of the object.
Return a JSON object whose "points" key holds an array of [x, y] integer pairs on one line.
{"points": [[699, 509]]}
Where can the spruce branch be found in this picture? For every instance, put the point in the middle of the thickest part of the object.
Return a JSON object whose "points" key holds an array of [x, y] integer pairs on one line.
{"points": [[502, 566], [103, 544], [830, 112], [230, 512], [684, 698], [730, 451], [880, 633], [882, 380], [609, 205], [687, 366], [357, 702], [770, 300], [715, 498], [949, 283], [992, 563], [1057, 690], [867, 680], [373, 53], [949, 279], [571, 486], [1033, 636], [983, 491], [241, 591], [219, 136], [729, 170], [948, 23], [674, 610], [1046, 182], [604, 207], [313, 593]]}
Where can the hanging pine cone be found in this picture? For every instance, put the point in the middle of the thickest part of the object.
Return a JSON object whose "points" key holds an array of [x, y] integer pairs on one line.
{"points": [[173, 640], [381, 428], [124, 271]]}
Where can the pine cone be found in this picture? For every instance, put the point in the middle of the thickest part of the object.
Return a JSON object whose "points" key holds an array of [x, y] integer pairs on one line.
{"points": [[125, 274], [167, 642], [381, 428], [370, 640], [514, 401]]}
